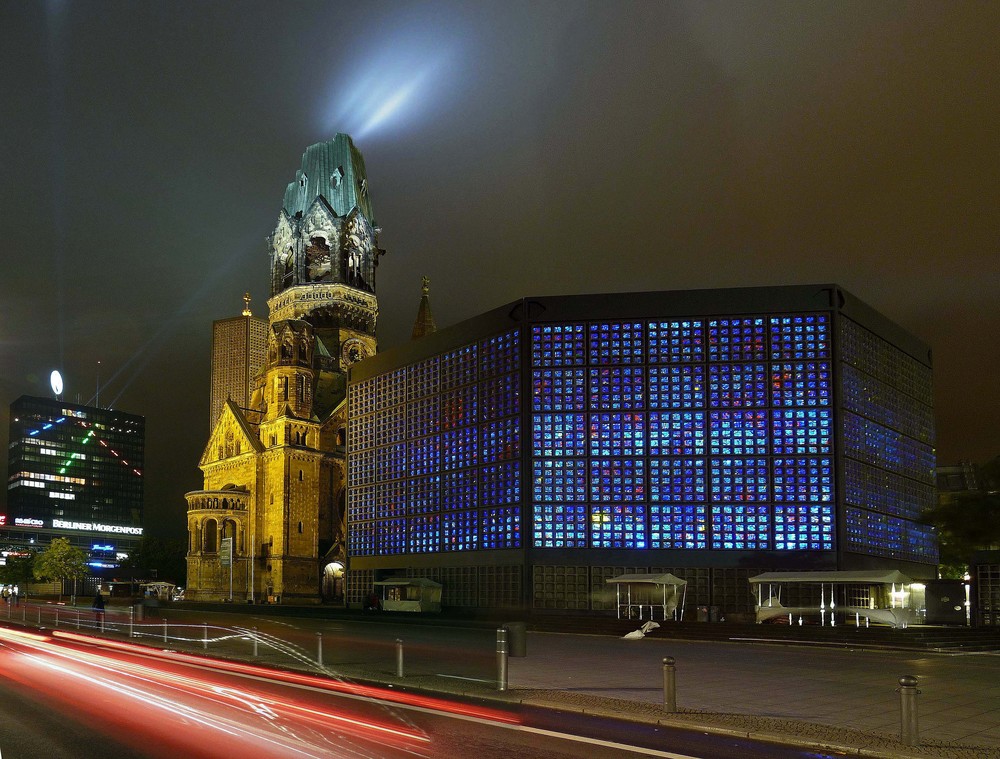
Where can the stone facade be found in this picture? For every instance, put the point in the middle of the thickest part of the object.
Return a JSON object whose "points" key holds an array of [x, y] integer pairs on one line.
{"points": [[274, 472]]}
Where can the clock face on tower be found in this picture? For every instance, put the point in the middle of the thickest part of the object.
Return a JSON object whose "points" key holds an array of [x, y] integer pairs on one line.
{"points": [[352, 351]]}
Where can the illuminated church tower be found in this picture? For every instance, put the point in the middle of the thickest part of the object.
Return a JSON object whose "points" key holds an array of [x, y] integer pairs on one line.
{"points": [[274, 474]]}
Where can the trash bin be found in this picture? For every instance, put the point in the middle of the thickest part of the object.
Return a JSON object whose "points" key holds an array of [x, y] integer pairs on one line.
{"points": [[713, 613], [702, 613], [517, 638]]}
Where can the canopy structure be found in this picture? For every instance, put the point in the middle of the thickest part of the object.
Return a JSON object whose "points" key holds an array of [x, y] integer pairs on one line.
{"points": [[649, 591], [410, 594], [879, 596]]}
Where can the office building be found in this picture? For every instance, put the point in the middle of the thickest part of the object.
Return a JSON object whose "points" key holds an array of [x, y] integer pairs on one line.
{"points": [[238, 346]]}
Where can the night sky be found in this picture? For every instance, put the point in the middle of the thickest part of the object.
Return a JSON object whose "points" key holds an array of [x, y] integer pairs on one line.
{"points": [[512, 149]]}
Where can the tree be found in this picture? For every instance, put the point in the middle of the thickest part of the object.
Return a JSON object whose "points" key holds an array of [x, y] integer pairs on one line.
{"points": [[61, 561], [159, 558], [968, 521], [18, 570]]}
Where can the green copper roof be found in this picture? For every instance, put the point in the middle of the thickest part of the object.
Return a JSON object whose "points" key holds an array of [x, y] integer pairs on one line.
{"points": [[335, 170]]}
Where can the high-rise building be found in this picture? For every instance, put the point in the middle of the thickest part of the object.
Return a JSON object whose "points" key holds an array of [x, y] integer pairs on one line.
{"points": [[238, 348], [274, 468], [524, 457], [75, 471]]}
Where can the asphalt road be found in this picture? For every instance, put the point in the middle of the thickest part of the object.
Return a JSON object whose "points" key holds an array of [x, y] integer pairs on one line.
{"points": [[70, 698]]}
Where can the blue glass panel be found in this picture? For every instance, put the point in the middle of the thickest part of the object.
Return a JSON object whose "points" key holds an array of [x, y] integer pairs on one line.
{"points": [[391, 535], [677, 480], [423, 416], [617, 480], [559, 435], [500, 484], [676, 341], [459, 367], [740, 480], [501, 440], [559, 525], [741, 527], [361, 505], [801, 383], [677, 433], [802, 431], [617, 387], [558, 345], [737, 385], [682, 526], [500, 354], [390, 499], [681, 386], [618, 434], [739, 433], [501, 527], [803, 480], [390, 462], [806, 336], [559, 390], [803, 527], [560, 480], [738, 339], [459, 490], [459, 448], [618, 526], [460, 531], [424, 456], [425, 533], [423, 378], [616, 343], [500, 396], [423, 495], [459, 407]]}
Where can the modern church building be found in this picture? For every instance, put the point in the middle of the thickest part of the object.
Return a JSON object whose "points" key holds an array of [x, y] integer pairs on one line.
{"points": [[524, 457], [76, 472]]}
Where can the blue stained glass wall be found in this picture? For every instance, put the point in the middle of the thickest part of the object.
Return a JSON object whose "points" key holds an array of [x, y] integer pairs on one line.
{"points": [[691, 434], [889, 461], [435, 455], [687, 433]]}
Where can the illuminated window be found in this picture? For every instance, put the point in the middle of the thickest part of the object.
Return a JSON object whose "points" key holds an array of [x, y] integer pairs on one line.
{"points": [[803, 528], [459, 490], [559, 390], [460, 531], [803, 480], [501, 527], [802, 431], [738, 339], [800, 337], [738, 433], [500, 484], [737, 385], [800, 383], [501, 440]]}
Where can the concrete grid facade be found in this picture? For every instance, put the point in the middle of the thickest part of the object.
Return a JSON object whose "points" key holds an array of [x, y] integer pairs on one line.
{"points": [[239, 346], [523, 457]]}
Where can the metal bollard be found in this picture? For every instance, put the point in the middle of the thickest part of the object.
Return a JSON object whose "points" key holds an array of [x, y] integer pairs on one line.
{"points": [[131, 621], [399, 658], [254, 642], [57, 617], [909, 734], [164, 631], [204, 626], [78, 620], [319, 648], [669, 684], [502, 651]]}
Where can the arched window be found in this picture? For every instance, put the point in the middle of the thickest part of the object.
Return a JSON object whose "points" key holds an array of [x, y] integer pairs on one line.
{"points": [[210, 538]]}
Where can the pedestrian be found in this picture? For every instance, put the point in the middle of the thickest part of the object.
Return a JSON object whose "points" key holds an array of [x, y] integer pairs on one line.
{"points": [[98, 607]]}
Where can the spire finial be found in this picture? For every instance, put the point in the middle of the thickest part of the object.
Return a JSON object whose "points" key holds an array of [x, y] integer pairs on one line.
{"points": [[425, 285], [246, 304]]}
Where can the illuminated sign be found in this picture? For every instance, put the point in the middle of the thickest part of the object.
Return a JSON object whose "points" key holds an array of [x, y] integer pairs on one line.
{"points": [[28, 522], [56, 381], [3, 519], [97, 547], [119, 529]]}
